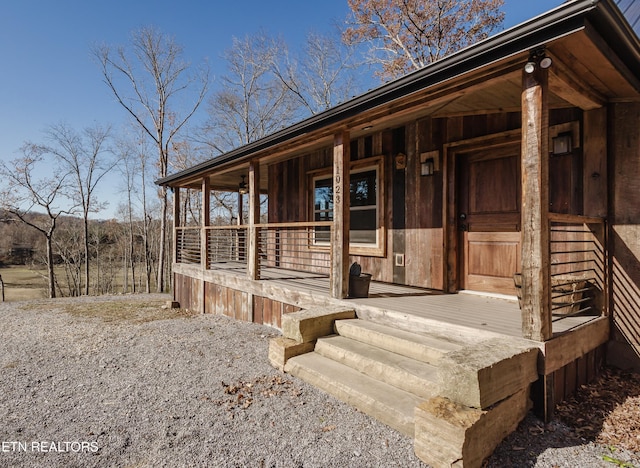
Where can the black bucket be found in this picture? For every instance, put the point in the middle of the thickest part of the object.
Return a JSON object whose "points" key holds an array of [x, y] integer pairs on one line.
{"points": [[359, 285]]}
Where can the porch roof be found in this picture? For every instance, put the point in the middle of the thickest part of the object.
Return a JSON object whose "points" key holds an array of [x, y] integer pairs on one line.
{"points": [[494, 65]]}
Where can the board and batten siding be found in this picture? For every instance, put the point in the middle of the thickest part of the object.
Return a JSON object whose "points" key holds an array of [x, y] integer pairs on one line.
{"points": [[221, 300], [624, 232], [418, 199]]}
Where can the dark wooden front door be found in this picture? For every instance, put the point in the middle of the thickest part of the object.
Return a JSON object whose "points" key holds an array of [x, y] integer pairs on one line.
{"points": [[489, 218]]}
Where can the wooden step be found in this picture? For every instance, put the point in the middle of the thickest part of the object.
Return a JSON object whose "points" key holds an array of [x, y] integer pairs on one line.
{"points": [[417, 377], [420, 347], [388, 404]]}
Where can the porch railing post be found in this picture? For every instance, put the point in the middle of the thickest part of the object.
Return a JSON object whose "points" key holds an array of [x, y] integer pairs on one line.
{"points": [[253, 266], [341, 216], [536, 275]]}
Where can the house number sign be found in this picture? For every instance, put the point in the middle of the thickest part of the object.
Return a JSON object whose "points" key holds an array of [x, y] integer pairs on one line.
{"points": [[337, 190]]}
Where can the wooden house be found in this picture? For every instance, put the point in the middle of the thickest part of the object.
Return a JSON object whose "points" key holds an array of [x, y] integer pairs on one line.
{"points": [[494, 193]]}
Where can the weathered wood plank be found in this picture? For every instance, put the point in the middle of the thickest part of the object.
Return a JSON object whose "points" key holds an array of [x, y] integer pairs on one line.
{"points": [[176, 224], [253, 268], [447, 433], [454, 132], [341, 217], [282, 349], [558, 385], [205, 215], [567, 348], [595, 163], [536, 298], [258, 309], [480, 376], [311, 324]]}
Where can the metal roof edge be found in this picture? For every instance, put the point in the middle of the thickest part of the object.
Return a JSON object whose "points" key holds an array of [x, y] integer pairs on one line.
{"points": [[565, 19]]}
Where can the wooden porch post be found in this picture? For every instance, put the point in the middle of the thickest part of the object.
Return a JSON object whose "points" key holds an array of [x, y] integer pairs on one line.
{"points": [[176, 222], [536, 282], [240, 209], [253, 266], [205, 221], [341, 216], [176, 225]]}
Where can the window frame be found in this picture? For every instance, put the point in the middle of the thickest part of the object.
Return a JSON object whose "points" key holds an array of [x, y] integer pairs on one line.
{"points": [[376, 164]]}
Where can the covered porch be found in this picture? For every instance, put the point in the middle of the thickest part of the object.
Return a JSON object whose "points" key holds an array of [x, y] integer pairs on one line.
{"points": [[290, 269]]}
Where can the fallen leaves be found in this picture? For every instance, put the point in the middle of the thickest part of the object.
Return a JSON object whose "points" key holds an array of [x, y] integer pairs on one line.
{"points": [[606, 411], [244, 394]]}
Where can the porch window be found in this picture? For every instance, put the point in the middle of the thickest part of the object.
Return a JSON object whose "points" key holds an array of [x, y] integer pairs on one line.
{"points": [[364, 211]]}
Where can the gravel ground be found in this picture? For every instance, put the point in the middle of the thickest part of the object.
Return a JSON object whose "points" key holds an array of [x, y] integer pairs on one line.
{"points": [[121, 382]]}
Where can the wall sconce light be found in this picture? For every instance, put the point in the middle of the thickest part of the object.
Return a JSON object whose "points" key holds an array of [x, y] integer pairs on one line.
{"points": [[427, 167], [562, 144], [242, 187], [429, 163]]}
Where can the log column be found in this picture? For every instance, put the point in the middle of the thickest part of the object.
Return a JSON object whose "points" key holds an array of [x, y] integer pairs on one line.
{"points": [[536, 282], [253, 267], [205, 221], [341, 217], [176, 222]]}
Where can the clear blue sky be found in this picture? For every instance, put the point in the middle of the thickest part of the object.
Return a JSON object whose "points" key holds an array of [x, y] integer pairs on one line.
{"points": [[47, 74]]}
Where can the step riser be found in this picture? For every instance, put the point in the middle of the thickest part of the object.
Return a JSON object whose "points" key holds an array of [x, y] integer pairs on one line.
{"points": [[369, 403], [413, 350], [392, 375], [414, 324]]}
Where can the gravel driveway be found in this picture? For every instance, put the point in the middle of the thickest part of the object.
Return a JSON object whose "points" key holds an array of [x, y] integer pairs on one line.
{"points": [[121, 382]]}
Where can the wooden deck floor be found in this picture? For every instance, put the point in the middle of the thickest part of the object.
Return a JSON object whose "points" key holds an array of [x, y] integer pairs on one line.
{"points": [[482, 312]]}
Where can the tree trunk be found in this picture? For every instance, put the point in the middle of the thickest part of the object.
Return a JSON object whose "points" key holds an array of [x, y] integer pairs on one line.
{"points": [[163, 240], [51, 277], [132, 259], [86, 255]]}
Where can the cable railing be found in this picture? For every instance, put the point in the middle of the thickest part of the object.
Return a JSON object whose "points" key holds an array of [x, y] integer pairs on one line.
{"points": [[578, 265], [226, 246], [188, 243], [302, 247], [299, 247]]}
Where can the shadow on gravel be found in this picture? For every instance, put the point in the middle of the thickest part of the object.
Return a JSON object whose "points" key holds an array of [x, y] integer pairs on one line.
{"points": [[525, 446]]}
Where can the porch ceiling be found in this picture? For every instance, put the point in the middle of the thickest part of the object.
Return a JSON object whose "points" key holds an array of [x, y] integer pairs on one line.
{"points": [[228, 179]]}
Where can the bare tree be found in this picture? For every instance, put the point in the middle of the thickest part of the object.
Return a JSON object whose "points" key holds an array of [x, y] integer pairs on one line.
{"points": [[406, 35], [146, 221], [23, 192], [323, 76], [130, 153], [68, 246], [252, 102], [146, 81], [87, 158]]}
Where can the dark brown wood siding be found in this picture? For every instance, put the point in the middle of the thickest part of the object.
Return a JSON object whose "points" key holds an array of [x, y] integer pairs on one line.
{"points": [[624, 234], [413, 204], [568, 379]]}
